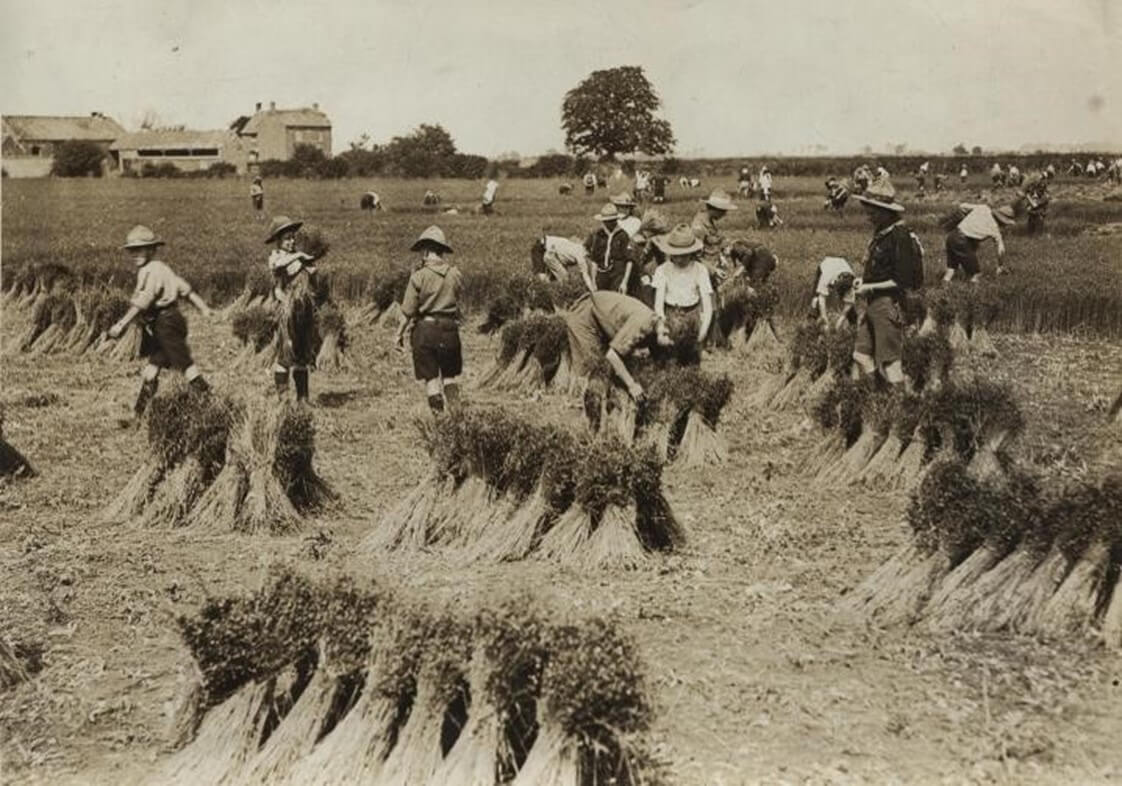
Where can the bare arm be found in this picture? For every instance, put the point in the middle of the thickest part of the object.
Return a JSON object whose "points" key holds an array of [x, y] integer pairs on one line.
{"points": [[587, 277], [119, 327], [706, 317], [626, 278], [660, 297], [624, 376], [200, 304]]}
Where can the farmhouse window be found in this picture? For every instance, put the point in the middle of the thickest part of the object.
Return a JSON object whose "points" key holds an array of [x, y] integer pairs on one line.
{"points": [[149, 153], [209, 152], [35, 150]]}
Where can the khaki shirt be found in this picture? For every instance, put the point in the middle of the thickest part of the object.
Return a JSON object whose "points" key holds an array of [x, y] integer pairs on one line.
{"points": [[157, 286], [433, 290]]}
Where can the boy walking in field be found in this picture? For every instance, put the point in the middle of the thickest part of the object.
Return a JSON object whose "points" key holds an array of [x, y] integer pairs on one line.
{"points": [[432, 313], [164, 336], [294, 274]]}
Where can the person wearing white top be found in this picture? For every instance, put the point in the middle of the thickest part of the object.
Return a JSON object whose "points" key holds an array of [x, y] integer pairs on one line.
{"points": [[555, 256], [488, 205], [683, 292], [833, 292]]}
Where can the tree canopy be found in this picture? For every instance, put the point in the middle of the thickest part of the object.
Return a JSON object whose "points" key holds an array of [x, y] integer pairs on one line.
{"points": [[612, 112]]}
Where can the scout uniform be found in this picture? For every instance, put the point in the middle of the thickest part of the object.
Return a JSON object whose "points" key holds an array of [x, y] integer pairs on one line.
{"points": [[894, 254], [608, 250], [629, 222], [296, 331], [978, 223], [431, 306], [164, 330]]}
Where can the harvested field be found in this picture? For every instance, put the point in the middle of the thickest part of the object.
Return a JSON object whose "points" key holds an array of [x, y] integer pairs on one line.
{"points": [[753, 676]]}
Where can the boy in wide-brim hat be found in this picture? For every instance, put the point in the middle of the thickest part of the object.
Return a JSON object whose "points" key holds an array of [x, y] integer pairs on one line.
{"points": [[893, 268], [164, 338], [683, 292], [432, 313], [296, 338], [609, 255]]}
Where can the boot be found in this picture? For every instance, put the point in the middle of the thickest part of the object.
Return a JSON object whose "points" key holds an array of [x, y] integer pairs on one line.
{"points": [[199, 385], [300, 379], [280, 382], [436, 404]]}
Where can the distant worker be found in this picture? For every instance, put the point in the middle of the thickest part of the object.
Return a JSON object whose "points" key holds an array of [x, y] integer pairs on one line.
{"points": [[589, 181], [1050, 171], [963, 173], [642, 185], [862, 176], [744, 184], [257, 197], [1014, 177], [163, 341], [836, 195], [921, 176], [370, 201], [997, 175], [893, 268], [975, 224], [833, 301], [764, 183], [658, 188], [432, 312], [752, 260], [487, 205], [565, 189], [430, 198], [767, 215], [882, 173], [294, 276], [1036, 199], [609, 252]]}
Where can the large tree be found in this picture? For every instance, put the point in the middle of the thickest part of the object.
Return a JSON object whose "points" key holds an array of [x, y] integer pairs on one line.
{"points": [[612, 112]]}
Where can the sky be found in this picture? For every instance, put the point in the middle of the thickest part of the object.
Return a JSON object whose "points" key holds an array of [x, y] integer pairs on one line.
{"points": [[736, 77]]}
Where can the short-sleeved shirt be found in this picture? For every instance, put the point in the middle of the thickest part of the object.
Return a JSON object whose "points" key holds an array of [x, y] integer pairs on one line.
{"points": [[158, 286], [829, 269], [433, 290], [626, 322], [608, 253], [895, 254], [489, 191], [684, 286]]}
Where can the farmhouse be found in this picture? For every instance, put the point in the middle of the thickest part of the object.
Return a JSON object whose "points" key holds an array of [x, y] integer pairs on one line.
{"points": [[188, 150], [29, 141], [274, 133]]}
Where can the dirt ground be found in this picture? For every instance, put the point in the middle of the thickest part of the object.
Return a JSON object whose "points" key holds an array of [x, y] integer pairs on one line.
{"points": [[754, 677]]}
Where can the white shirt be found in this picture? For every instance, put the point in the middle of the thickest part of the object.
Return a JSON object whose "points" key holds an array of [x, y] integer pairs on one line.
{"points": [[642, 180], [684, 287], [489, 191], [828, 271], [980, 224], [564, 251], [882, 172], [630, 225]]}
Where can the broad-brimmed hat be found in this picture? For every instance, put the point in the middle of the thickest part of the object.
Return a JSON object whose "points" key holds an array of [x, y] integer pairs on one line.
{"points": [[434, 235], [623, 200], [679, 241], [719, 200], [881, 194], [608, 213], [280, 225], [1005, 215], [141, 236]]}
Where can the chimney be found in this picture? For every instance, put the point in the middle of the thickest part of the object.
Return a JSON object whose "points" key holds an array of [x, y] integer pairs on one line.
{"points": [[258, 108], [315, 105], [272, 106]]}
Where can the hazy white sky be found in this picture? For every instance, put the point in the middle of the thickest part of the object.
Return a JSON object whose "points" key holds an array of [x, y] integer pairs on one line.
{"points": [[735, 76]]}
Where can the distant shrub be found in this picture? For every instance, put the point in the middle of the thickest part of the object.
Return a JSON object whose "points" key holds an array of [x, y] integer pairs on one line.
{"points": [[166, 169], [76, 158], [221, 169]]}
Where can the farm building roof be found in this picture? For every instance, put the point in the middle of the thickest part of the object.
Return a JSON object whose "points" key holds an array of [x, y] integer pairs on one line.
{"points": [[60, 128], [161, 139], [289, 117]]}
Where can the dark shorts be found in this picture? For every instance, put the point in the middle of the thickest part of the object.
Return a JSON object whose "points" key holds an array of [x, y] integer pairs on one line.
{"points": [[436, 349], [163, 340], [258, 201], [880, 331], [682, 325], [962, 252]]}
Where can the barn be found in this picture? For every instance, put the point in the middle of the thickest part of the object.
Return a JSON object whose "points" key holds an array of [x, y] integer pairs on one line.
{"points": [[29, 141], [188, 151], [273, 134]]}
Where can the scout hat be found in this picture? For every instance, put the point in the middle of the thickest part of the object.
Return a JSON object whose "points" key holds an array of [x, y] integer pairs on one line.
{"points": [[679, 241], [623, 200], [720, 201], [881, 194], [608, 213], [141, 236], [280, 225], [434, 235], [1005, 215]]}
